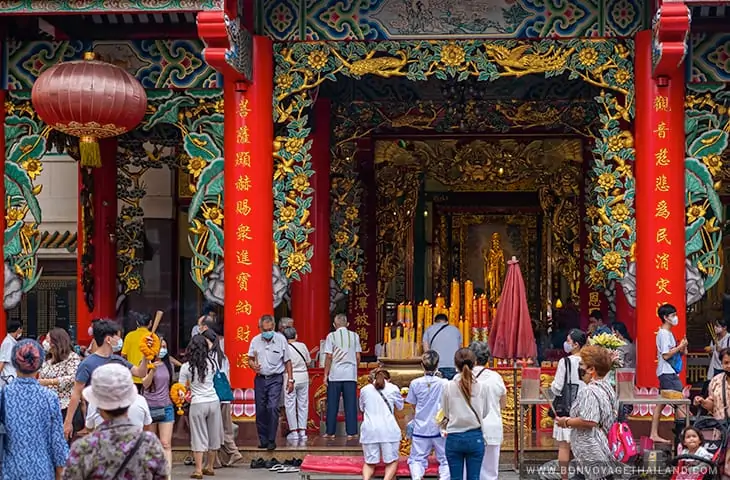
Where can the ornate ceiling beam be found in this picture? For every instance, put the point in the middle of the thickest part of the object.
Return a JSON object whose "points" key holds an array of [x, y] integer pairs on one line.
{"points": [[34, 7], [670, 27], [228, 46]]}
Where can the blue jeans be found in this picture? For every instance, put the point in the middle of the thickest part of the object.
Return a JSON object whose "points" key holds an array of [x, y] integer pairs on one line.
{"points": [[448, 372], [348, 390], [465, 448]]}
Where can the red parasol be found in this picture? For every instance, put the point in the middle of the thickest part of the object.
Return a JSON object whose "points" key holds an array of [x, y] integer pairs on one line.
{"points": [[512, 336]]}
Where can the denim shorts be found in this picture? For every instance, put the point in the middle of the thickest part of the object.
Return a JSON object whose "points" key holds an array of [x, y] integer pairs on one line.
{"points": [[169, 414], [670, 381]]}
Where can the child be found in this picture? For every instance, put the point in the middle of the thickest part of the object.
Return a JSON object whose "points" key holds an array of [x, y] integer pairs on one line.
{"points": [[692, 441], [380, 434], [296, 403], [669, 364], [425, 394]]}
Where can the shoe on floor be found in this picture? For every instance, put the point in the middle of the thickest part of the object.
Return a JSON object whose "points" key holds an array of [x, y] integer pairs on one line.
{"points": [[302, 435], [258, 463], [208, 472], [196, 475], [289, 469], [234, 460], [276, 468], [292, 437], [271, 446], [270, 463]]}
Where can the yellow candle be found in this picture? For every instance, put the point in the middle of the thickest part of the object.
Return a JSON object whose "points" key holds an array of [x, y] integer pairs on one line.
{"points": [[386, 334]]}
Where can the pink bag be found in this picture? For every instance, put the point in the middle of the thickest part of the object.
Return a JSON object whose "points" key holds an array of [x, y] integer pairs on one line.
{"points": [[621, 441]]}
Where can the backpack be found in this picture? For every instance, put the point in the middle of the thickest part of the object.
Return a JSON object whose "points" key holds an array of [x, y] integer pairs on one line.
{"points": [[621, 442]]}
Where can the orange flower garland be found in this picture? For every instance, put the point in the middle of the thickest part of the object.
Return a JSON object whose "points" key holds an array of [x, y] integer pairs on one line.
{"points": [[150, 348], [177, 395]]}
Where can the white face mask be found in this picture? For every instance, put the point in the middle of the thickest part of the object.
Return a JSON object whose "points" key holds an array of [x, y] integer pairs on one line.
{"points": [[118, 346], [673, 320], [46, 345]]}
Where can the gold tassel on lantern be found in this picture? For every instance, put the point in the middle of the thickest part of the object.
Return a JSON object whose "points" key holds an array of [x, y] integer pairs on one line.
{"points": [[89, 150]]}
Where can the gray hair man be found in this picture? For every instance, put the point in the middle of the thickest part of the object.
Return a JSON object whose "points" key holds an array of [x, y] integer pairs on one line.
{"points": [[284, 323], [268, 356], [342, 349]]}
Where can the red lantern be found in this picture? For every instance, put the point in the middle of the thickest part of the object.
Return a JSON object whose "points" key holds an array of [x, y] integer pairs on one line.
{"points": [[89, 99]]}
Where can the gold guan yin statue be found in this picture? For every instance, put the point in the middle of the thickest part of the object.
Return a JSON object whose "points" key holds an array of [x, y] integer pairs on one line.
{"points": [[494, 269]]}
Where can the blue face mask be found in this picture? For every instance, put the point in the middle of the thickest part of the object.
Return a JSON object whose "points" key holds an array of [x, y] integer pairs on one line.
{"points": [[163, 352], [268, 335], [567, 347]]}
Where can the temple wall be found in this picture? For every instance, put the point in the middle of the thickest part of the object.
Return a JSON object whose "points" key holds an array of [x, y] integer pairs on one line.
{"points": [[292, 20]]}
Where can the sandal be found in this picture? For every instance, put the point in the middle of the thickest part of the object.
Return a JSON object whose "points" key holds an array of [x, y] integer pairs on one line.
{"points": [[196, 475], [208, 472]]}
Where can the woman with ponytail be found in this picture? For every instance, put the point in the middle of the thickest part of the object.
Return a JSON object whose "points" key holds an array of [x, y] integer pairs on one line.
{"points": [[464, 403], [380, 434]]}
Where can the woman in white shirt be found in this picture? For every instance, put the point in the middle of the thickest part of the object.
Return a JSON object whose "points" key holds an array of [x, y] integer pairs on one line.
{"points": [[206, 424], [496, 393], [296, 403], [572, 345], [380, 434], [464, 403], [425, 394]]}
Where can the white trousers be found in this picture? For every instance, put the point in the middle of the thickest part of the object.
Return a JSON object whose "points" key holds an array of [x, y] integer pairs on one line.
{"points": [[490, 463], [421, 449], [296, 404]]}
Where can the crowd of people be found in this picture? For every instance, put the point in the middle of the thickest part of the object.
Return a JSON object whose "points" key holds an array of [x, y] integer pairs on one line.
{"points": [[113, 401]]}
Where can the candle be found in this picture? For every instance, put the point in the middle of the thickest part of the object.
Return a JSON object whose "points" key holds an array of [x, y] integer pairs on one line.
{"points": [[420, 312], [476, 313], [386, 334], [485, 311], [400, 314], [440, 301]]}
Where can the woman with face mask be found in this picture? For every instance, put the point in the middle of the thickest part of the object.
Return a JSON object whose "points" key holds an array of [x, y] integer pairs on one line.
{"points": [[156, 390], [567, 371], [591, 416], [59, 369]]}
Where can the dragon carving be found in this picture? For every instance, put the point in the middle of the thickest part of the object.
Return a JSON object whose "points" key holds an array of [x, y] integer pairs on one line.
{"points": [[518, 63]]}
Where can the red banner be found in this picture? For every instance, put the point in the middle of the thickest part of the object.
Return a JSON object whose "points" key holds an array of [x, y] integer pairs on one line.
{"points": [[248, 248], [660, 211]]}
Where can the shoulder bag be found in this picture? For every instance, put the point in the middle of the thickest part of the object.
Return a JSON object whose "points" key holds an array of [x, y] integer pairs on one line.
{"points": [[563, 402], [129, 456], [430, 344], [390, 407], [304, 359], [221, 385]]}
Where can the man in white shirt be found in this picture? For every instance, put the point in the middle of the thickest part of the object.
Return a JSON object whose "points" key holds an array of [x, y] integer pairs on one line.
{"points": [[268, 356], [668, 354], [7, 370], [445, 340], [342, 349], [296, 403]]}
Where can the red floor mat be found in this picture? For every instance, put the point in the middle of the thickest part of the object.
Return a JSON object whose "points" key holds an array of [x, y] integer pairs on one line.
{"points": [[353, 465]]}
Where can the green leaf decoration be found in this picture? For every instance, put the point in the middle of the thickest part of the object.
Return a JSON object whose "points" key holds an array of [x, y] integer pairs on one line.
{"points": [[693, 237], [32, 146], [17, 180], [201, 145], [215, 239], [13, 246], [168, 111], [210, 184], [712, 142]]}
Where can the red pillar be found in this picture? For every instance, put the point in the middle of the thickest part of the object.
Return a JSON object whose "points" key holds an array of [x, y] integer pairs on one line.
{"points": [[659, 170], [2, 196], [249, 208], [310, 295], [103, 241]]}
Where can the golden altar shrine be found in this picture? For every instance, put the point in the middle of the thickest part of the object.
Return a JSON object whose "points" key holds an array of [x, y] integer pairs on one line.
{"points": [[402, 372]]}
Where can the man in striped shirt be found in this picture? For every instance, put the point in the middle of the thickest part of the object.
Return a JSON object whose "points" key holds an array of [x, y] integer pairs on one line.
{"points": [[342, 350]]}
